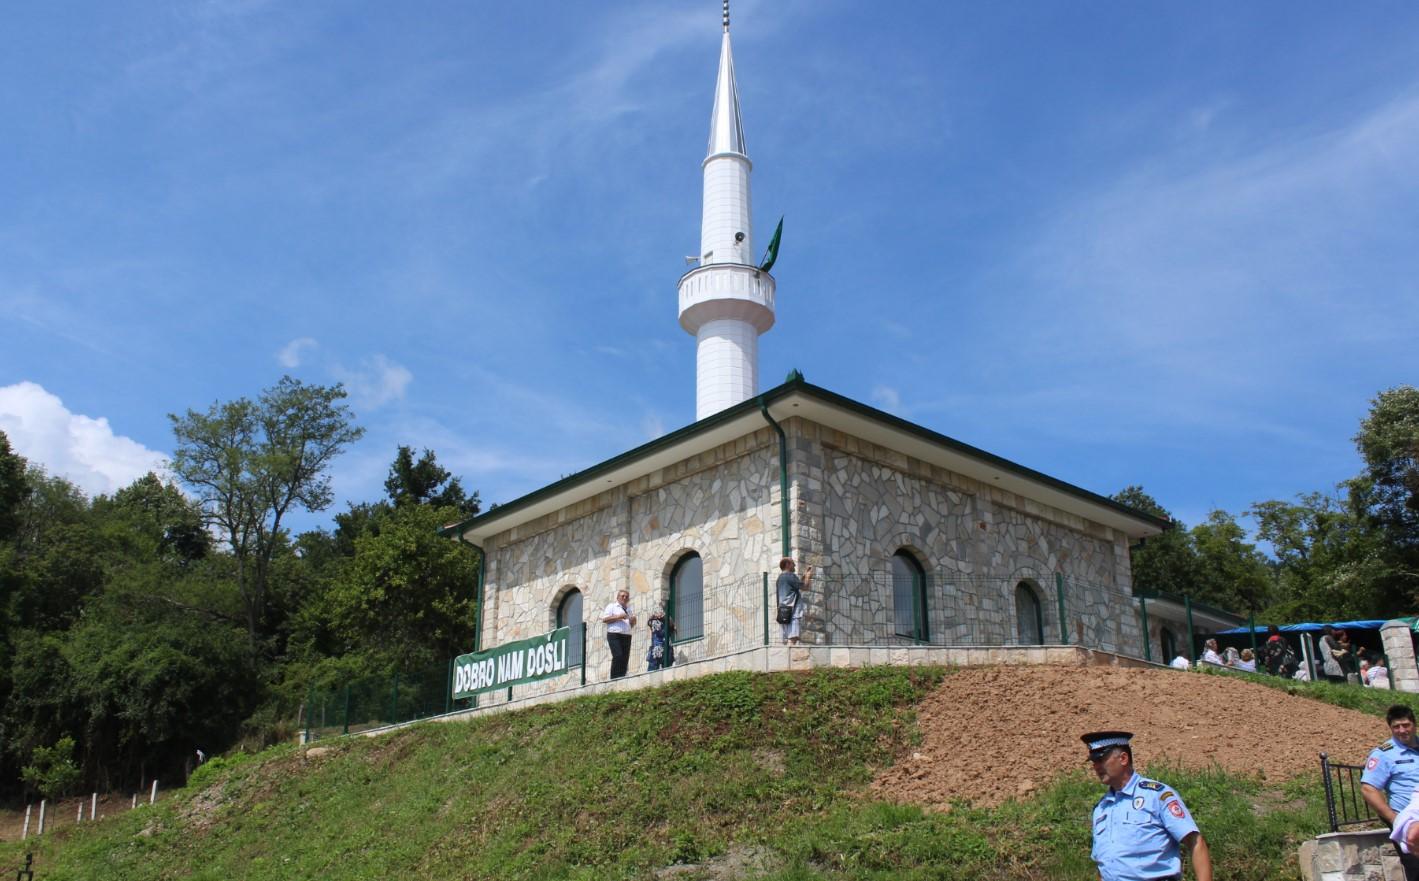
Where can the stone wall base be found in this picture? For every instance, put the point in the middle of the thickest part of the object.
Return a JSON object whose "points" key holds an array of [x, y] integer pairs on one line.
{"points": [[1351, 856]]}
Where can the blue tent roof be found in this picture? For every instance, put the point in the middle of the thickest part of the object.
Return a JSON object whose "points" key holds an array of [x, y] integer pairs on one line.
{"points": [[1311, 627]]}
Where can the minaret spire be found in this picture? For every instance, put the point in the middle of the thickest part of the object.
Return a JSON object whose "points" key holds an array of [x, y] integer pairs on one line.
{"points": [[726, 302]]}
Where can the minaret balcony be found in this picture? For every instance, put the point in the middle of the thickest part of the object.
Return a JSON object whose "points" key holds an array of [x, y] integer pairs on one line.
{"points": [[717, 291]]}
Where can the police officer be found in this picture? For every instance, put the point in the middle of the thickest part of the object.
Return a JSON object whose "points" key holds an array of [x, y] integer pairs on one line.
{"points": [[1392, 772], [1139, 823]]}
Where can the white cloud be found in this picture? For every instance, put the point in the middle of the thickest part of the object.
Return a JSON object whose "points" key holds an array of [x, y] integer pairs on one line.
{"points": [[79, 448], [293, 352], [887, 398], [376, 382]]}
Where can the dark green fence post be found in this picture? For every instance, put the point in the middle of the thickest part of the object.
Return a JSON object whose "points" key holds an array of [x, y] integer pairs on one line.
{"points": [[448, 692], [583, 653], [1147, 649], [309, 711], [766, 608], [1251, 627], [920, 632], [1063, 624], [1191, 637], [345, 726], [394, 700]]}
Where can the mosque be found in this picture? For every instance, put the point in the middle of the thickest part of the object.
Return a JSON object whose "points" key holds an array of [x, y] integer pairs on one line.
{"points": [[916, 538]]}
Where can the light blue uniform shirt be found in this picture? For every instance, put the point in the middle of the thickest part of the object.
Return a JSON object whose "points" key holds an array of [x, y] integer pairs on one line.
{"points": [[1393, 767], [1137, 830]]}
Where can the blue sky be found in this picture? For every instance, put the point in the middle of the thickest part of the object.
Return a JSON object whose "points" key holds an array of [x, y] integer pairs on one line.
{"points": [[1173, 245]]}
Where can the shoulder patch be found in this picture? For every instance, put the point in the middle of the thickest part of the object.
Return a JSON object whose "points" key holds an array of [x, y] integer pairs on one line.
{"points": [[1388, 744], [1167, 794], [1150, 784]]}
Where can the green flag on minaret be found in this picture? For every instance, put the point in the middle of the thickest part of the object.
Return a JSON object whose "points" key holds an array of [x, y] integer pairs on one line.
{"points": [[772, 253]]}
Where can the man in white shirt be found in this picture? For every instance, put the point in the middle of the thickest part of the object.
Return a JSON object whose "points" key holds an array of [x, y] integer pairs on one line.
{"points": [[1210, 654], [619, 620]]}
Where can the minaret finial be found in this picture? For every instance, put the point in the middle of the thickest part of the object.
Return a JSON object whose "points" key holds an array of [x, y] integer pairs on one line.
{"points": [[726, 16]]}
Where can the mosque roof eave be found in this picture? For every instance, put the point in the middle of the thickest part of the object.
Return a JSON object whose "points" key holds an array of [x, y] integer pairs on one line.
{"points": [[799, 398], [1174, 608]]}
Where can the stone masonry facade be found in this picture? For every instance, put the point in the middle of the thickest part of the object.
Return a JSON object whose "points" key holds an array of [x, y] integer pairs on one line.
{"points": [[853, 505]]}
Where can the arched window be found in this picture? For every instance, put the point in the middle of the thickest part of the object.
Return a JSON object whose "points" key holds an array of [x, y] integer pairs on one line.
{"points": [[1170, 644], [687, 598], [569, 615], [1029, 616], [909, 597]]}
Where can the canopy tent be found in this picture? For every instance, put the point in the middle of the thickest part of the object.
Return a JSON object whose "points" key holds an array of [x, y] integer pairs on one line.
{"points": [[1311, 627]]}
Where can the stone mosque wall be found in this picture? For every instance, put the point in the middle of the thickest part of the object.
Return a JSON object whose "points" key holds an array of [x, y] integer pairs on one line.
{"points": [[722, 505], [860, 503], [854, 505]]}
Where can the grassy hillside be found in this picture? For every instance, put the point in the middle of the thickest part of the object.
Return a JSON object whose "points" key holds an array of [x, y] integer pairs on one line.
{"points": [[738, 775]]}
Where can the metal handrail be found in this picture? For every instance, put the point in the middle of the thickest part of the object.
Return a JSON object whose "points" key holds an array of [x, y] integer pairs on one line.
{"points": [[1347, 807]]}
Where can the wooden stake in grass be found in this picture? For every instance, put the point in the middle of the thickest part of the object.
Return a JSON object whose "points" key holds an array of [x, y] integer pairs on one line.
{"points": [[153, 796], [26, 832], [135, 801], [94, 807], [42, 803], [79, 817]]}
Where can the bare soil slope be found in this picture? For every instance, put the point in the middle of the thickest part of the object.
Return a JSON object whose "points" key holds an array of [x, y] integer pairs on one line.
{"points": [[1003, 732]]}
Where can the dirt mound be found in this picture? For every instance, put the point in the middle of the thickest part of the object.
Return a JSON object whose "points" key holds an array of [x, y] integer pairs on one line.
{"points": [[999, 733]]}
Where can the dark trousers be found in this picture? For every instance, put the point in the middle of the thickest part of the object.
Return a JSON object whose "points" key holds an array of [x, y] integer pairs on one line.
{"points": [[620, 644], [1410, 862]]}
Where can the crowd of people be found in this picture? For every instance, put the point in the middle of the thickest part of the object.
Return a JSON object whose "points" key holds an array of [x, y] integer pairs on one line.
{"points": [[1340, 661]]}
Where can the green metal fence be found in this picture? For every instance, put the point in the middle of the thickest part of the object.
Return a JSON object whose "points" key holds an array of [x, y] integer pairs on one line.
{"points": [[377, 701]]}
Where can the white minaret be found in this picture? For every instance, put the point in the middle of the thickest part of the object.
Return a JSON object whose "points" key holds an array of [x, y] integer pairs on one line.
{"points": [[726, 302]]}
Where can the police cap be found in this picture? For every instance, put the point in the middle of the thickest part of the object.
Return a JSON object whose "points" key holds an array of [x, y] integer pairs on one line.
{"points": [[1100, 742]]}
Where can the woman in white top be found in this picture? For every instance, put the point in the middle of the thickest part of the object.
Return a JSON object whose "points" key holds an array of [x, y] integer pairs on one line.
{"points": [[1378, 674]]}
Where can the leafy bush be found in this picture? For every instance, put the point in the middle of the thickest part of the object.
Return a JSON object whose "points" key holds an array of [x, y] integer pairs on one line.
{"points": [[52, 770]]}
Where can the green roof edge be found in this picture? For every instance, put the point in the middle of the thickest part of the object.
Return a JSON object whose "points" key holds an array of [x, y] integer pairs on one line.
{"points": [[1182, 601], [797, 383]]}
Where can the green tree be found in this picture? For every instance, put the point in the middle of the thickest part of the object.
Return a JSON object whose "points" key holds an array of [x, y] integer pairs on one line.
{"points": [[14, 488], [166, 524], [55, 558], [153, 681], [51, 504], [251, 463], [41, 707], [1231, 572], [1314, 541], [425, 482], [407, 595], [1389, 442], [1166, 562], [52, 770]]}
